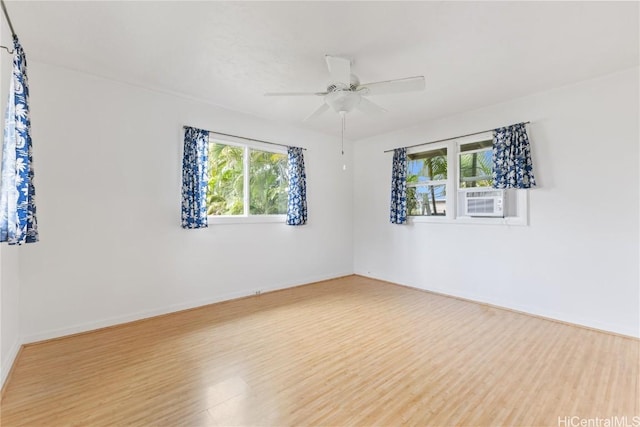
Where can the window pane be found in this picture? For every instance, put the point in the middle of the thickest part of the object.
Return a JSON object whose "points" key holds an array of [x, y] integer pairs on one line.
{"points": [[476, 169], [267, 183], [226, 180], [427, 200], [427, 166]]}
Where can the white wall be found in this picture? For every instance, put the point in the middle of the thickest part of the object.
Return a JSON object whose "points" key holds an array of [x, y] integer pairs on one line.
{"points": [[577, 261], [9, 277], [108, 168], [9, 311]]}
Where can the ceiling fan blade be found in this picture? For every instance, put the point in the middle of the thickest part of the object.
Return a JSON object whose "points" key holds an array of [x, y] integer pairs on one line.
{"points": [[339, 68], [321, 109], [408, 84], [369, 107], [295, 94]]}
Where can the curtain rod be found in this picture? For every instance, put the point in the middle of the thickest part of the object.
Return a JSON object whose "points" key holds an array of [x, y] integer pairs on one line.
{"points": [[449, 139], [13, 33], [248, 139], [6, 15]]}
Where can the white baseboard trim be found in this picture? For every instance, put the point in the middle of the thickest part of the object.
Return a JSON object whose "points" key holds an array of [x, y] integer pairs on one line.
{"points": [[117, 320], [9, 360], [534, 311]]}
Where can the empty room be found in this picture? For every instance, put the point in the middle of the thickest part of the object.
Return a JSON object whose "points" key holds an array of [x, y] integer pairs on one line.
{"points": [[227, 213]]}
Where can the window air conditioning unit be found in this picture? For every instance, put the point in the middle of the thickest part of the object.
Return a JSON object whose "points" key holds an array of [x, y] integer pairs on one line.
{"points": [[487, 203]]}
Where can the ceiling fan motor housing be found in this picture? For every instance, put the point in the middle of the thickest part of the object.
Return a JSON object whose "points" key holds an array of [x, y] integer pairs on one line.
{"points": [[353, 85]]}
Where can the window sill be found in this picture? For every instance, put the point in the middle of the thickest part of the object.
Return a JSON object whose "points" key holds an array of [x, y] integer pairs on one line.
{"points": [[512, 220], [241, 219], [418, 219]]}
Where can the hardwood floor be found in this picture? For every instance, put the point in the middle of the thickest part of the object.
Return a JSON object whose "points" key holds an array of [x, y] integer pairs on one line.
{"points": [[350, 351]]}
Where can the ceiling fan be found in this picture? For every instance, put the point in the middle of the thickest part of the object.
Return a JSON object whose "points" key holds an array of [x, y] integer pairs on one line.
{"points": [[345, 92]]}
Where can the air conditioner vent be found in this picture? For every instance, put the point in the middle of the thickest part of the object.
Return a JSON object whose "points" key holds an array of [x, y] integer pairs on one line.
{"points": [[487, 203], [480, 205]]}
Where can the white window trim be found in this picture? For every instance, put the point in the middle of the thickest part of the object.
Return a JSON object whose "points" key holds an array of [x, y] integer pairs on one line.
{"points": [[246, 218], [450, 204], [479, 150], [241, 142], [241, 219], [452, 217]]}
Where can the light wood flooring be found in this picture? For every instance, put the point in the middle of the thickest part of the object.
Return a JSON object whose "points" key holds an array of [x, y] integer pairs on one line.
{"points": [[350, 351]]}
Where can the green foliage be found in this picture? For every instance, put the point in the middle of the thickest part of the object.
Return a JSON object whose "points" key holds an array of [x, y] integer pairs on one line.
{"points": [[412, 202], [226, 180], [476, 170], [267, 181]]}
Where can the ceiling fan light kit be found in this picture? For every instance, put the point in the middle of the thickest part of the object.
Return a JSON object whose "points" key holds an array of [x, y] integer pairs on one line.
{"points": [[342, 101]]}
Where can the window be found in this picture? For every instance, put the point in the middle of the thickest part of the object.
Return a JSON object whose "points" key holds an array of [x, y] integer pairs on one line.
{"points": [[452, 181], [427, 183], [475, 160], [246, 181]]}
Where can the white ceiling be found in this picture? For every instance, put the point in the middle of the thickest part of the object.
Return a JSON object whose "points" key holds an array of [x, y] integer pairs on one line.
{"points": [[229, 53]]}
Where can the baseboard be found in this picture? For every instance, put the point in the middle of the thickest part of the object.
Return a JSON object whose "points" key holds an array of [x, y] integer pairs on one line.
{"points": [[530, 311], [118, 320], [7, 365]]}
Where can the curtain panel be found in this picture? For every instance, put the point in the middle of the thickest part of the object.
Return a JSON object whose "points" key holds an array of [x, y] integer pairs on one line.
{"points": [[18, 222], [398, 214], [195, 178], [297, 199], [512, 166]]}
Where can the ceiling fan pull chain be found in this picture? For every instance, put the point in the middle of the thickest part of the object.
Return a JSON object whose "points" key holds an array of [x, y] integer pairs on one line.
{"points": [[343, 116], [342, 134]]}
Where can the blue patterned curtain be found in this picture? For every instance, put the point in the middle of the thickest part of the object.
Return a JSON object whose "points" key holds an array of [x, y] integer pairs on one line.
{"points": [[195, 178], [399, 187], [297, 202], [18, 223], [512, 167]]}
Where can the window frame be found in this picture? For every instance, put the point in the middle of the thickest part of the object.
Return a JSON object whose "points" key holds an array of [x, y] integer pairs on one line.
{"points": [[246, 217], [453, 146], [449, 204]]}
